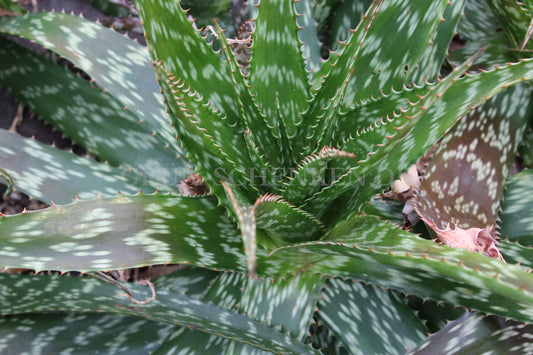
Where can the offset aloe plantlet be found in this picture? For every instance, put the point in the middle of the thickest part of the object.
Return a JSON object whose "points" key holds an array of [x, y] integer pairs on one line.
{"points": [[272, 170]]}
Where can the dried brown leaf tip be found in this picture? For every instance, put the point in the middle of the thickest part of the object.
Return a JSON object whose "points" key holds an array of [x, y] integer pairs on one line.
{"points": [[472, 239], [193, 185]]}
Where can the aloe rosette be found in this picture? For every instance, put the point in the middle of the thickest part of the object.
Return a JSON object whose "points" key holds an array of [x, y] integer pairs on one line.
{"points": [[294, 153]]}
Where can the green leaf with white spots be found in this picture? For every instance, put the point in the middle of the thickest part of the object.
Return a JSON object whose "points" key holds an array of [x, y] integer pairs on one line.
{"points": [[88, 116], [189, 341], [345, 16], [330, 88], [280, 81], [208, 156], [481, 31], [192, 110], [310, 175], [265, 300], [373, 113], [388, 57], [428, 68], [475, 333], [122, 232], [421, 126], [374, 48], [47, 173], [284, 221], [270, 222], [515, 19], [516, 220], [285, 303], [183, 52], [117, 63], [308, 35], [261, 143], [80, 333], [245, 217], [436, 315], [364, 248], [370, 320], [89, 295]]}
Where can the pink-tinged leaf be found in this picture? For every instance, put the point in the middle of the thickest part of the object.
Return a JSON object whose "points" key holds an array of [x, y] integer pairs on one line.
{"points": [[459, 198]]}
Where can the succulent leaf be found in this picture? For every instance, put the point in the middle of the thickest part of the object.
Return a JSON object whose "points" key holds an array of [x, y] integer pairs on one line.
{"points": [[208, 156], [516, 222], [77, 294], [330, 89], [87, 115], [122, 232], [54, 333], [385, 324], [389, 58], [459, 196], [49, 174], [428, 68], [364, 248], [515, 18], [373, 113], [310, 175], [480, 30], [117, 63], [182, 51], [433, 115], [436, 315], [308, 35], [279, 80], [270, 300], [477, 333], [283, 223], [262, 140]]}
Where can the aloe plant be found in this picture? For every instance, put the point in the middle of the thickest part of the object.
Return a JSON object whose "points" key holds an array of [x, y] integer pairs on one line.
{"points": [[289, 249]]}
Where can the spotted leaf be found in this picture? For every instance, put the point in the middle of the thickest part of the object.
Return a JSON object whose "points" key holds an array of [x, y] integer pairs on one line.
{"points": [[428, 68], [282, 222], [477, 333], [311, 174], [117, 63], [87, 115], [433, 115], [54, 333], [49, 174], [211, 161], [308, 35], [89, 295], [262, 145], [180, 48], [280, 81], [364, 248], [385, 68], [459, 196], [480, 31], [516, 221], [373, 319], [122, 232], [515, 18]]}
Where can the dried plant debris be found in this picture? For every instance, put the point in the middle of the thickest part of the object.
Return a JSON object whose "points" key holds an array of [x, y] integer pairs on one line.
{"points": [[193, 185], [459, 198]]}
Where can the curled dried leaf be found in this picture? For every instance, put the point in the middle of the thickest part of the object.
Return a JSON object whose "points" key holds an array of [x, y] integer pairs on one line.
{"points": [[193, 185], [479, 240]]}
